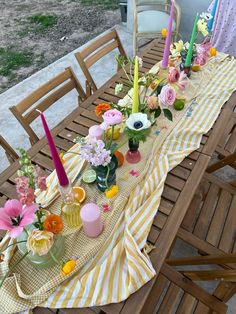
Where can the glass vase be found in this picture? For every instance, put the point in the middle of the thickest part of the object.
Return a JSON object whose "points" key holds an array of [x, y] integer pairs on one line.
{"points": [[45, 261], [133, 155], [106, 176]]}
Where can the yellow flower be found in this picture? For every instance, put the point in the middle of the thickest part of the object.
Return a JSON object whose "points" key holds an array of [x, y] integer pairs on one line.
{"points": [[39, 242], [176, 48], [213, 52], [164, 32], [68, 267], [116, 133], [112, 191], [202, 27]]}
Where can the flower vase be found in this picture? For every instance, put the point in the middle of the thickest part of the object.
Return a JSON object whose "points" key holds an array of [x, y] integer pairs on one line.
{"points": [[187, 70], [45, 261], [106, 175], [133, 155]]}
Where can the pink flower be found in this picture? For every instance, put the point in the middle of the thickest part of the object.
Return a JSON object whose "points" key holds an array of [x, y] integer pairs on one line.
{"points": [[14, 217], [112, 117], [96, 131], [173, 75], [134, 173], [167, 95], [41, 183], [152, 102], [22, 185], [183, 81], [28, 197], [106, 208], [201, 59]]}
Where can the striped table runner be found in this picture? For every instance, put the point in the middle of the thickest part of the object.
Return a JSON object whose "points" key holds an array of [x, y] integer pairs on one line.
{"points": [[123, 266]]}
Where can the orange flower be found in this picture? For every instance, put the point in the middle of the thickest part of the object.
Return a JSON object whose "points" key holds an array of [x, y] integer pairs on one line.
{"points": [[164, 32], [68, 267], [213, 52], [53, 223], [101, 108]]}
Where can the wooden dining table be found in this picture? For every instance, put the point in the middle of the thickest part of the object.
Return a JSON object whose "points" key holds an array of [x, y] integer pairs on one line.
{"points": [[180, 185]]}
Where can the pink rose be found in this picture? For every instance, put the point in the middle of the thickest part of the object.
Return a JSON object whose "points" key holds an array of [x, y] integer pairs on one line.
{"points": [[152, 102], [41, 183], [173, 75], [201, 59], [112, 117], [167, 95]]}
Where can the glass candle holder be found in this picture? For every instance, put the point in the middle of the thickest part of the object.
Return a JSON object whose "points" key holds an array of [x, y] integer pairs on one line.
{"points": [[133, 155], [70, 208]]}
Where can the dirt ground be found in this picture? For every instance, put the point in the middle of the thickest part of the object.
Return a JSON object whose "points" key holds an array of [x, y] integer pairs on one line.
{"points": [[26, 47]]}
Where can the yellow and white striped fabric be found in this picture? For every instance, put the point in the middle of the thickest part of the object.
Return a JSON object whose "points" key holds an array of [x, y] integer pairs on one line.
{"points": [[122, 266]]}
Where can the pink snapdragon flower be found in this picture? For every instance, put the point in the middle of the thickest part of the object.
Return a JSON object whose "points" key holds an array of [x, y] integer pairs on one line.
{"points": [[173, 75], [14, 217], [183, 81], [167, 96], [112, 117], [22, 184], [41, 183], [28, 197]]}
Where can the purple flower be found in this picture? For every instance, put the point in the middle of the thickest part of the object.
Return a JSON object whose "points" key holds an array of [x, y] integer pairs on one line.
{"points": [[95, 153]]}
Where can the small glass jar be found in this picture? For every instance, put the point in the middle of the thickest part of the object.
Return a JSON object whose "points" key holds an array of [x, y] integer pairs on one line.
{"points": [[133, 155]]}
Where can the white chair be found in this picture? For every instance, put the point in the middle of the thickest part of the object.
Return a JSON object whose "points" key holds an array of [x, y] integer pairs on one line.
{"points": [[150, 16]]}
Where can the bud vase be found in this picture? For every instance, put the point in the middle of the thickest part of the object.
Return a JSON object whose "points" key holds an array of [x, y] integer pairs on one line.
{"points": [[48, 260], [133, 155], [106, 175]]}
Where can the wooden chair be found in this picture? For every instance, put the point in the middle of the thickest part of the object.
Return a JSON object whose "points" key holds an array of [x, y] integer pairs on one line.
{"points": [[210, 227], [94, 52], [174, 293], [44, 97], [150, 16], [9, 151]]}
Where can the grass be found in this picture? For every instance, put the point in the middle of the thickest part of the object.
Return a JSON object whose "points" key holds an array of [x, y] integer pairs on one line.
{"points": [[43, 21], [11, 60], [105, 4]]}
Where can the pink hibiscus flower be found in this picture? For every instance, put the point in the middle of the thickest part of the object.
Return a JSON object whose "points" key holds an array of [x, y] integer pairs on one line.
{"points": [[14, 217]]}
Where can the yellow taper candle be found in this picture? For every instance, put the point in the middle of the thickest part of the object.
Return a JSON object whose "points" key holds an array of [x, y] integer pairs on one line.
{"points": [[135, 104]]}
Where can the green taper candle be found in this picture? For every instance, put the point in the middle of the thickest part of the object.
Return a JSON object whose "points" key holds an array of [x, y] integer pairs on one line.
{"points": [[190, 50], [135, 104]]}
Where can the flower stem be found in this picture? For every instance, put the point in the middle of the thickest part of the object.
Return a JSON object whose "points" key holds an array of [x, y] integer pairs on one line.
{"points": [[12, 245], [112, 133], [26, 232], [108, 171], [121, 144], [13, 267]]}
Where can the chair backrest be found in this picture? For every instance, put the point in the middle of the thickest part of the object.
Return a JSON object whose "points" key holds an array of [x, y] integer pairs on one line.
{"points": [[44, 97], [9, 151], [94, 52]]}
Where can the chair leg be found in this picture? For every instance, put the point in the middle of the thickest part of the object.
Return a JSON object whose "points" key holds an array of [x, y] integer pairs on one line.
{"points": [[225, 291]]}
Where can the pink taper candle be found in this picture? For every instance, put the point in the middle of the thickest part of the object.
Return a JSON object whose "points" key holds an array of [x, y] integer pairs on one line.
{"points": [[166, 54], [61, 174], [91, 217]]}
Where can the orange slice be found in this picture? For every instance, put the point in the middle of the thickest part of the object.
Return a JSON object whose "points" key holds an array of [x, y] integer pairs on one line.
{"points": [[79, 193]]}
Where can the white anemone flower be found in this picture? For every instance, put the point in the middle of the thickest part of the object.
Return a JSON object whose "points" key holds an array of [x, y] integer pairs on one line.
{"points": [[138, 122]]}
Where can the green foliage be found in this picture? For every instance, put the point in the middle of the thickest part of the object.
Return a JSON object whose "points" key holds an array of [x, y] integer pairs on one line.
{"points": [[105, 4], [137, 136], [43, 21], [11, 60], [168, 114], [27, 168]]}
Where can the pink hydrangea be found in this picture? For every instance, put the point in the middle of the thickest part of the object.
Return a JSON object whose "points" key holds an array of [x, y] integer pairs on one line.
{"points": [[95, 153], [167, 96], [14, 217], [112, 117]]}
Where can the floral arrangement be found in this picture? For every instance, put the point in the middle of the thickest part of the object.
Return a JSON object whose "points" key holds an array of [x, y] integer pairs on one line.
{"points": [[202, 49], [25, 216]]}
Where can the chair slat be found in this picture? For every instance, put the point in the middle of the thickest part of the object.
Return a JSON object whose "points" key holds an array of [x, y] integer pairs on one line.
{"points": [[101, 53]]}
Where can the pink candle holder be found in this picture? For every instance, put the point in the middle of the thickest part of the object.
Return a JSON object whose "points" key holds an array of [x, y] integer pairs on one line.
{"points": [[91, 217]]}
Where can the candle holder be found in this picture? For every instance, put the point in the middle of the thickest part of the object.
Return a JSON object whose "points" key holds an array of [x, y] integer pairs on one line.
{"points": [[133, 155], [186, 69], [70, 208]]}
